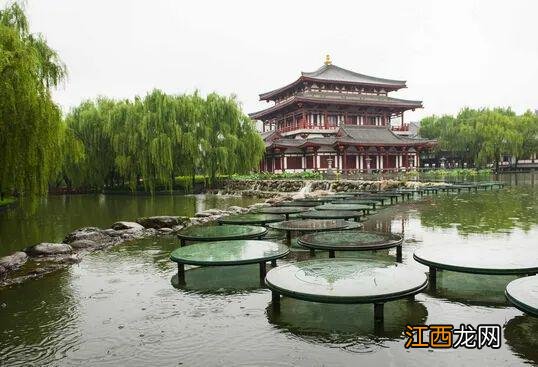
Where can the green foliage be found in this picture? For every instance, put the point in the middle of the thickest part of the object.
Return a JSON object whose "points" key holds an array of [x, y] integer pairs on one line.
{"points": [[151, 140], [480, 137], [280, 176], [31, 128], [455, 172], [7, 201]]}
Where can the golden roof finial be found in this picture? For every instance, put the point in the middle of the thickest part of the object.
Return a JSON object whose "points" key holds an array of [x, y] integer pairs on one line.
{"points": [[328, 60]]}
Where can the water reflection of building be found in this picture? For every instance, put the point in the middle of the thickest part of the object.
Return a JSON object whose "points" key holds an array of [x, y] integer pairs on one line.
{"points": [[336, 118]]}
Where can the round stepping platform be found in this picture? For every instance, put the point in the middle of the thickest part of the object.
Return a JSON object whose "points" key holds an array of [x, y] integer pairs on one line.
{"points": [[227, 253], [353, 225], [352, 241], [478, 259], [346, 281], [331, 214], [343, 195], [355, 193], [354, 207], [285, 210], [372, 203], [251, 218], [403, 193], [523, 293], [220, 233], [298, 203], [381, 199], [308, 225], [322, 199]]}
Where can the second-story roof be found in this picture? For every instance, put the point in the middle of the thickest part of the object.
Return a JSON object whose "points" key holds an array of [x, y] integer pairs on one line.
{"points": [[339, 99]]}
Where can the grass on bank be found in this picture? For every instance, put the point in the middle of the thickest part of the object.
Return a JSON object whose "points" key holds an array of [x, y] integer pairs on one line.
{"points": [[436, 173]]}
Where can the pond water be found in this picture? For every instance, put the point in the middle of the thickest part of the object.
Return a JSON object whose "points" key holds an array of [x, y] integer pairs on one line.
{"points": [[122, 306], [51, 218]]}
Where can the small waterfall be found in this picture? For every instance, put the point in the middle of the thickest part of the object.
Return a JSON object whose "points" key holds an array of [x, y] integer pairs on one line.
{"points": [[306, 188]]}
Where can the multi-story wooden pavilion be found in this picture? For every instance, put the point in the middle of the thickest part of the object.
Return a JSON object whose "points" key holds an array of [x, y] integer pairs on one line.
{"points": [[336, 118]]}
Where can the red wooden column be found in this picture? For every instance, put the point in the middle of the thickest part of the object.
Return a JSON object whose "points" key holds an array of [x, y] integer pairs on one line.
{"points": [[315, 163]]}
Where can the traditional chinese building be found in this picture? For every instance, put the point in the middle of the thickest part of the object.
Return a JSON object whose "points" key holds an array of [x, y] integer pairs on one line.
{"points": [[337, 118]]}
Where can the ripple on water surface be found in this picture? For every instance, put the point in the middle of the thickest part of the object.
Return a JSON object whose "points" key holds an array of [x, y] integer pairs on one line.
{"points": [[120, 306]]}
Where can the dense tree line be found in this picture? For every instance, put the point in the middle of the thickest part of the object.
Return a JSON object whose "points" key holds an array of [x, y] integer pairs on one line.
{"points": [[145, 142], [481, 137], [149, 141], [31, 126]]}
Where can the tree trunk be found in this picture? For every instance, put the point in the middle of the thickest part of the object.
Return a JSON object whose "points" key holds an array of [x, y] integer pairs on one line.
{"points": [[67, 181]]}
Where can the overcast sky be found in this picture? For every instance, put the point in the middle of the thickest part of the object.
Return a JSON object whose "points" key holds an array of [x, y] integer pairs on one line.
{"points": [[452, 53]]}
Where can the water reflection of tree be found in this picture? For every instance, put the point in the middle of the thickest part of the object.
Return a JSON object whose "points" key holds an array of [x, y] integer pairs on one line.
{"points": [[37, 316], [521, 334], [51, 218], [494, 211]]}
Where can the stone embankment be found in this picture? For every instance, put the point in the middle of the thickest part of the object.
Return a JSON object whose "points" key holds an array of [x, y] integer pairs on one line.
{"points": [[272, 188]]}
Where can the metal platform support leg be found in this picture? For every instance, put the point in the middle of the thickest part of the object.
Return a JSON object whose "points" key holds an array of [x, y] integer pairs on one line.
{"points": [[275, 301], [181, 274], [288, 238], [331, 254], [312, 252], [399, 253], [273, 263], [433, 278], [263, 270], [378, 312]]}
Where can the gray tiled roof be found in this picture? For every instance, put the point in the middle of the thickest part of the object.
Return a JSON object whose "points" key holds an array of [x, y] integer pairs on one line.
{"points": [[360, 98], [351, 134], [373, 134], [340, 98], [336, 73]]}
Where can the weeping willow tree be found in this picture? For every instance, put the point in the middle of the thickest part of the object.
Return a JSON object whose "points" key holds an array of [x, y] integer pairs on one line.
{"points": [[481, 136], [31, 128], [87, 124], [150, 141]]}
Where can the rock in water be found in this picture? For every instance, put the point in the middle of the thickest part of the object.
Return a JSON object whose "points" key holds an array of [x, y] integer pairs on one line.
{"points": [[83, 244], [13, 261], [88, 233], [127, 225], [47, 249], [162, 221]]}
